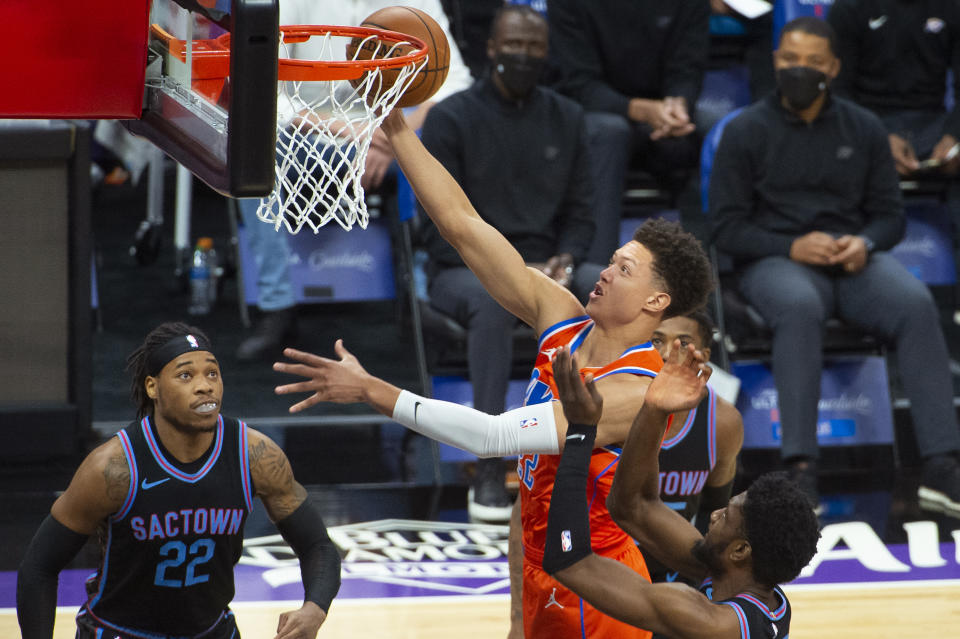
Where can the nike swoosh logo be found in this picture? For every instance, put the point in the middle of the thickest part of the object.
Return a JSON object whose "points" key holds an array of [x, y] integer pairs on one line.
{"points": [[578, 436], [147, 485], [876, 23], [416, 407]]}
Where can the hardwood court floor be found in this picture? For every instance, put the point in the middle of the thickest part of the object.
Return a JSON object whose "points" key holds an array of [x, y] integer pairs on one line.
{"points": [[907, 610]]}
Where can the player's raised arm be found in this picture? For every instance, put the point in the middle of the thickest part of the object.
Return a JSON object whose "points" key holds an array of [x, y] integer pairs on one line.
{"points": [[300, 524], [525, 292], [97, 490], [634, 500], [613, 588]]}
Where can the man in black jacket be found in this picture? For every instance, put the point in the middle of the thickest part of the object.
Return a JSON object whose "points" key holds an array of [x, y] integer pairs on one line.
{"points": [[805, 198], [636, 66], [896, 55], [518, 151]]}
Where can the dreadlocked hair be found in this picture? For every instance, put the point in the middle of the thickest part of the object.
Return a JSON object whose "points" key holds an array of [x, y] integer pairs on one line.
{"points": [[680, 263], [137, 361], [781, 527]]}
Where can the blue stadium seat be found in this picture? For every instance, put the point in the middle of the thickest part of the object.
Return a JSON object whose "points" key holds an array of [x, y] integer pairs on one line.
{"points": [[333, 266], [536, 5], [710, 143], [786, 10], [724, 90], [926, 249], [726, 26]]}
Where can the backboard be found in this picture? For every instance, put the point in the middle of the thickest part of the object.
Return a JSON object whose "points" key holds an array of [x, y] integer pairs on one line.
{"points": [[135, 61], [222, 131]]}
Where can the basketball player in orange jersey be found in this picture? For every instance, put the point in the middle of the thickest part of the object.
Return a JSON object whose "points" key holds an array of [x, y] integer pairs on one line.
{"points": [[662, 272], [762, 538]]}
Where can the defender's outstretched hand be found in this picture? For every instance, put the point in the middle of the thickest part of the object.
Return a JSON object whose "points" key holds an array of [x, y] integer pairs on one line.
{"points": [[682, 382], [343, 382], [582, 402]]}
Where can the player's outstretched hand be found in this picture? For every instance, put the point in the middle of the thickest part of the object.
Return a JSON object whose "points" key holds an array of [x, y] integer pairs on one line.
{"points": [[301, 624], [582, 402], [681, 382], [341, 381], [393, 123]]}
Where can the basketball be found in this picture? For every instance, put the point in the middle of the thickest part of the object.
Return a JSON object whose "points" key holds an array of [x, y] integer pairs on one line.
{"points": [[420, 25]]}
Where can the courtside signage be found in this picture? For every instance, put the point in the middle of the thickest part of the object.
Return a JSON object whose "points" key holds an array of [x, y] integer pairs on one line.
{"points": [[854, 406], [406, 558], [388, 558]]}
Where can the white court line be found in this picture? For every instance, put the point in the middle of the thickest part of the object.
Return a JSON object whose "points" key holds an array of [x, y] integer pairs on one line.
{"points": [[380, 601], [406, 601], [873, 585]]}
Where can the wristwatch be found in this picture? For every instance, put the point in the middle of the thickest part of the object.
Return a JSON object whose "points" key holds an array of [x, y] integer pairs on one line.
{"points": [[869, 243]]}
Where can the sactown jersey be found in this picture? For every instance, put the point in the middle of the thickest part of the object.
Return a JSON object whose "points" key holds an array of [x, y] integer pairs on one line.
{"points": [[686, 460], [169, 552], [757, 620], [688, 457]]}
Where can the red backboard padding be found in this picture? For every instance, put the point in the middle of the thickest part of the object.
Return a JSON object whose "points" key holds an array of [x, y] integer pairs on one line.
{"points": [[73, 59]]}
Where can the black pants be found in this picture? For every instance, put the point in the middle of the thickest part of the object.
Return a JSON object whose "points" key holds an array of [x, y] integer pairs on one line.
{"points": [[90, 628], [614, 142]]}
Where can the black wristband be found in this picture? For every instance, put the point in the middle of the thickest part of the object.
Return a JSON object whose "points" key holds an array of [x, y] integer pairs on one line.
{"points": [[568, 524], [49, 552], [303, 529]]}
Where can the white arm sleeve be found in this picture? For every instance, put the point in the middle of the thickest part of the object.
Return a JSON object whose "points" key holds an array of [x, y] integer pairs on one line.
{"points": [[528, 429]]}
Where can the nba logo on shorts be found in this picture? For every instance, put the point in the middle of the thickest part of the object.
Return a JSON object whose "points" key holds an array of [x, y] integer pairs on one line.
{"points": [[565, 544]]}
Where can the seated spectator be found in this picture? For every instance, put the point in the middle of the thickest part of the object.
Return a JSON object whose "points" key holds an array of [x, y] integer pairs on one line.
{"points": [[804, 197], [895, 58], [518, 151], [277, 324], [636, 67]]}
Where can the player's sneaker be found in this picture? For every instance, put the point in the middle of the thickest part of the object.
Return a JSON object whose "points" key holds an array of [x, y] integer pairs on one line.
{"points": [[274, 331], [488, 500], [804, 473], [940, 485]]}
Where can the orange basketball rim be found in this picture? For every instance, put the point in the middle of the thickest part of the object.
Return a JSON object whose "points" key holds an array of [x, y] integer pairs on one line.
{"points": [[211, 58]]}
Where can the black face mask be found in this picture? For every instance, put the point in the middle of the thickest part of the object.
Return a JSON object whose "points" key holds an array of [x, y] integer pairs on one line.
{"points": [[800, 86], [519, 72]]}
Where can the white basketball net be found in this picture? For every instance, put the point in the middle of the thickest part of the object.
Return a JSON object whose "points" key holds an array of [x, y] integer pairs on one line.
{"points": [[324, 129]]}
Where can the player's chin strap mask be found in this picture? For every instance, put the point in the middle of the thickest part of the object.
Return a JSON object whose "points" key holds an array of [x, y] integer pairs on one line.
{"points": [[175, 347]]}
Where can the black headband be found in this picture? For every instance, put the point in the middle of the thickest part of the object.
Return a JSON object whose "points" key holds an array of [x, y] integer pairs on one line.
{"points": [[175, 347]]}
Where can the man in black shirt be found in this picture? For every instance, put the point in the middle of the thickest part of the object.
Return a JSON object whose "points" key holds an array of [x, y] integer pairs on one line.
{"points": [[896, 55], [518, 151], [805, 198], [636, 66]]}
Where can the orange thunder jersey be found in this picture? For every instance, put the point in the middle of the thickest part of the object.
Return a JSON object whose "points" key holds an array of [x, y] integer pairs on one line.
{"points": [[537, 472]]}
